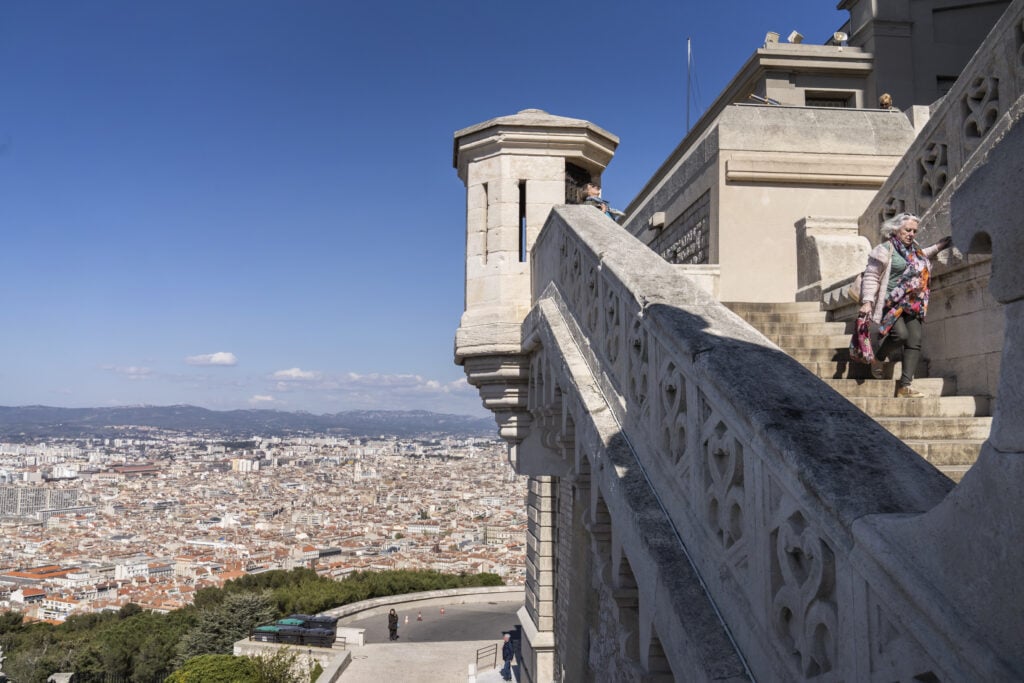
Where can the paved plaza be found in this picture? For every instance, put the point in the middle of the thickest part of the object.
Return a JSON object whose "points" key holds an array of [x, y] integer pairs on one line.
{"points": [[435, 649]]}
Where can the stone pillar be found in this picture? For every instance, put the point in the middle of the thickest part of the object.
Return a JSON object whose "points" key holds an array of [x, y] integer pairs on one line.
{"points": [[514, 168], [828, 249], [538, 614]]}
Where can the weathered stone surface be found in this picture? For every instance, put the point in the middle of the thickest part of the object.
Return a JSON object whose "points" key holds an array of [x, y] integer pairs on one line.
{"points": [[701, 507]]}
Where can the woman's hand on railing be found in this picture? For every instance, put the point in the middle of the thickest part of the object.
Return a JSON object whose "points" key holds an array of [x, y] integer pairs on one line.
{"points": [[865, 308]]}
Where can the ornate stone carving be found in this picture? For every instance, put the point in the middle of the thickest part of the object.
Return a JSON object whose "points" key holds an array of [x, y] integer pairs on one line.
{"points": [[1019, 36], [723, 484], [933, 170], [803, 589], [637, 370], [590, 299], [980, 107], [626, 594], [672, 410], [612, 325], [599, 524], [893, 205]]}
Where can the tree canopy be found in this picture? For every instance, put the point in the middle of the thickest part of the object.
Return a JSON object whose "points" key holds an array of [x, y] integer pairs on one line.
{"points": [[143, 646]]}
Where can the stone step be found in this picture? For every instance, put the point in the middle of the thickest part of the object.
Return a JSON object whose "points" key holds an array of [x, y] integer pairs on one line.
{"points": [[842, 368], [955, 472], [947, 452], [930, 386], [759, 318], [945, 429], [929, 406], [809, 341], [820, 354], [744, 307], [817, 327], [941, 428]]}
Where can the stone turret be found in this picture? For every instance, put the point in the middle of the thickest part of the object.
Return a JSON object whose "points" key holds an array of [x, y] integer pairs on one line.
{"points": [[515, 169]]}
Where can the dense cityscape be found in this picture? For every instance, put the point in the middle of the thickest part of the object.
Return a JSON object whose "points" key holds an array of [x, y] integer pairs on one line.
{"points": [[92, 524]]}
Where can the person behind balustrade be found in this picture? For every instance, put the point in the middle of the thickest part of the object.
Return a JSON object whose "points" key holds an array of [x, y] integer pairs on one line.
{"points": [[895, 291], [592, 197]]}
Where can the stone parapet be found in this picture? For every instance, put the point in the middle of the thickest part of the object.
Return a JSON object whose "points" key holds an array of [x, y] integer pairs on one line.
{"points": [[447, 596], [759, 472], [924, 180]]}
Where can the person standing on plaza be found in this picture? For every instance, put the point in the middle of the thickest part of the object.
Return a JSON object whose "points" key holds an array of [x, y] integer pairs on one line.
{"points": [[507, 650], [393, 625]]}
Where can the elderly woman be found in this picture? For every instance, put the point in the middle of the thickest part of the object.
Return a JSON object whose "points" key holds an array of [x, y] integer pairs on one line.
{"points": [[894, 293]]}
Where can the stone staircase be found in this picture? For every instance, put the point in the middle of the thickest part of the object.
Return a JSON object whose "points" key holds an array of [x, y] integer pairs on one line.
{"points": [[946, 429]]}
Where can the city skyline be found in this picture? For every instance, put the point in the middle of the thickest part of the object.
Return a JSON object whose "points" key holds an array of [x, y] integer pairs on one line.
{"points": [[252, 204]]}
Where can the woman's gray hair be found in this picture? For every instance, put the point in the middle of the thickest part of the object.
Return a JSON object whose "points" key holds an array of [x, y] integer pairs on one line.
{"points": [[895, 223]]}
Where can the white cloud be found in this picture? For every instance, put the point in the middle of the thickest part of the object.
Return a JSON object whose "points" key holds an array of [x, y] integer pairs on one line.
{"points": [[132, 372], [296, 374], [219, 358], [319, 391]]}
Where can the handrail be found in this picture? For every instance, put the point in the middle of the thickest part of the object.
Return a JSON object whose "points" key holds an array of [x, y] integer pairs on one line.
{"points": [[483, 653]]}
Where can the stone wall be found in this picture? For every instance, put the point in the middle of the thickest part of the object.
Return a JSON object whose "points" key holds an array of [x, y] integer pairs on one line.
{"points": [[964, 330], [760, 170]]}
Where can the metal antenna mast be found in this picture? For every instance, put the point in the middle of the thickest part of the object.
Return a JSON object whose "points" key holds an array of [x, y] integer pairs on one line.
{"points": [[689, 85]]}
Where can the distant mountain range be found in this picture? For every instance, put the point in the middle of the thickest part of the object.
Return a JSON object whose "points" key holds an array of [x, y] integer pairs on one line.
{"points": [[46, 421]]}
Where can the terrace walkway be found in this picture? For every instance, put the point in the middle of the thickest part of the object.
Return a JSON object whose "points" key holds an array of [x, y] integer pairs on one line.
{"points": [[437, 649]]}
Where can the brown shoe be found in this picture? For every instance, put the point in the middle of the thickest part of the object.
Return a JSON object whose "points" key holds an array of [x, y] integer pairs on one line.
{"points": [[908, 392]]}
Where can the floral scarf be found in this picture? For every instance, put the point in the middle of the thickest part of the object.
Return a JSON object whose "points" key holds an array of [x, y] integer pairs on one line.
{"points": [[910, 294]]}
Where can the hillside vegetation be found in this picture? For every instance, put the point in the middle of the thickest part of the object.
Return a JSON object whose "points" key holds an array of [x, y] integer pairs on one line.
{"points": [[145, 647]]}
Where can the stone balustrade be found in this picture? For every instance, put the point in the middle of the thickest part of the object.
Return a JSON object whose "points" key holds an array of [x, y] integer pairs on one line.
{"points": [[922, 182], [693, 439]]}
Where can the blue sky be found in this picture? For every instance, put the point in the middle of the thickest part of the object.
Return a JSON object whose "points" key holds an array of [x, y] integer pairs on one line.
{"points": [[243, 203]]}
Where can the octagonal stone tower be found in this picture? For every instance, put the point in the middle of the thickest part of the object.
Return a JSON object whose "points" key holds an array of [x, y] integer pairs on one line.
{"points": [[515, 169]]}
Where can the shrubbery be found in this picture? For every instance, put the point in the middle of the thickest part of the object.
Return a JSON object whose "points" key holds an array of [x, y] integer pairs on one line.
{"points": [[146, 646]]}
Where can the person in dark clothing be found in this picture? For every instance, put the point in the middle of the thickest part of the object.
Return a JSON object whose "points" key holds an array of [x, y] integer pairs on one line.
{"points": [[507, 650], [393, 625]]}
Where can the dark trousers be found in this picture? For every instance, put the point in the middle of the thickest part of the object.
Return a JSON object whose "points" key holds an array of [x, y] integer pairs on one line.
{"points": [[506, 671], [905, 332]]}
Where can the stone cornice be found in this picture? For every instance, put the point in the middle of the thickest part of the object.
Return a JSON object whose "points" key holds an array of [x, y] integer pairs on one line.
{"points": [[533, 132]]}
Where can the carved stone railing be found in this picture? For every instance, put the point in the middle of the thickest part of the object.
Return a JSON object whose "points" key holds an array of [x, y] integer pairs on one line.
{"points": [[991, 82], [940, 157], [700, 442]]}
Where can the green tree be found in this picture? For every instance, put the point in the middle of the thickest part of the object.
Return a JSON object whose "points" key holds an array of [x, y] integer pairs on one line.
{"points": [[216, 669], [220, 626]]}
